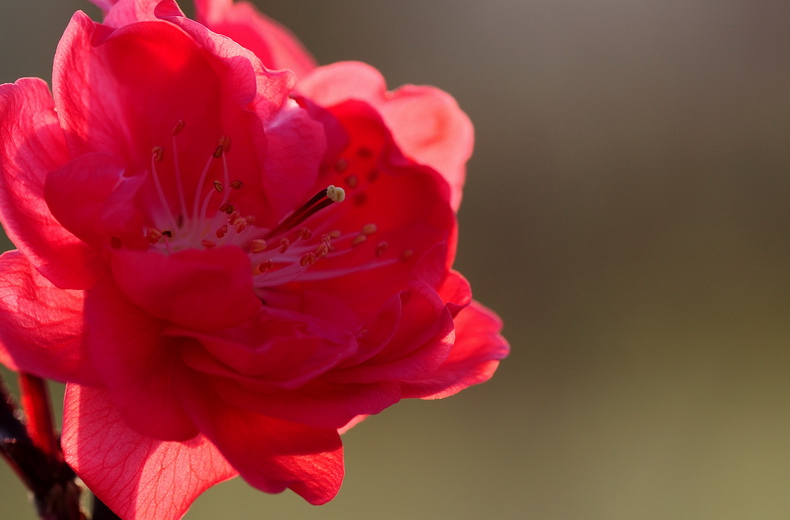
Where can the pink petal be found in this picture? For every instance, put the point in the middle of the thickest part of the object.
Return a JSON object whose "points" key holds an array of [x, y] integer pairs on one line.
{"points": [[198, 289], [270, 454], [41, 326], [125, 12], [425, 122], [139, 478], [93, 199], [473, 359], [122, 92], [137, 364], [275, 45], [32, 145]]}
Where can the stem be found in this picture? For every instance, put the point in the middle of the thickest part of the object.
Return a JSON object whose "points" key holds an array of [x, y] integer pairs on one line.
{"points": [[101, 511], [38, 463], [36, 403]]}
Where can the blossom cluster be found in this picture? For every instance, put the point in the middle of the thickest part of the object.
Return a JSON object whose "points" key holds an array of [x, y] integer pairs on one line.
{"points": [[229, 254]]}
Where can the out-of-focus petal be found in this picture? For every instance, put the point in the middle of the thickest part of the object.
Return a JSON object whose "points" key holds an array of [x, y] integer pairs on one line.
{"points": [[32, 145], [473, 359], [138, 477], [275, 45]]}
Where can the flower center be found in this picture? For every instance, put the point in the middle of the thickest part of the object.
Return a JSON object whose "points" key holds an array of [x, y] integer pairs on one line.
{"points": [[278, 255]]}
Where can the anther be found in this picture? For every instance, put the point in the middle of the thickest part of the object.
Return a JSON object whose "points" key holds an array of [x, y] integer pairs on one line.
{"points": [[369, 229], [154, 235], [308, 259], [224, 142], [341, 165], [319, 201], [237, 185], [284, 243], [167, 233], [335, 194], [335, 233], [358, 240], [364, 152], [258, 245], [352, 180], [265, 266], [158, 153], [218, 186], [304, 233], [227, 207], [222, 230], [208, 244], [218, 151], [381, 248], [179, 126], [406, 254], [322, 250]]}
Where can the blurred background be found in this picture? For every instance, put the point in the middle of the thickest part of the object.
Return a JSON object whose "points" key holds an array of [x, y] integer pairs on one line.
{"points": [[627, 214]]}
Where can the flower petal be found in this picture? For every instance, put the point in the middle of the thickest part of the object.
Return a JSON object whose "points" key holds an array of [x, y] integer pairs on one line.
{"points": [[41, 326], [93, 199], [269, 453], [425, 122], [275, 45], [473, 359], [420, 344], [317, 404], [32, 145], [199, 289], [137, 364], [137, 477]]}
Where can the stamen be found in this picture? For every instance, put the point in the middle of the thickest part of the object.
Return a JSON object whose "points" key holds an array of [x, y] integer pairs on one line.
{"points": [[319, 201], [308, 259], [158, 152], [154, 235], [218, 186], [179, 126], [258, 245], [237, 185]]}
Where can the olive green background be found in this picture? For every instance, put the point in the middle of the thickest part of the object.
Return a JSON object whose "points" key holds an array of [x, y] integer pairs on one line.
{"points": [[626, 213]]}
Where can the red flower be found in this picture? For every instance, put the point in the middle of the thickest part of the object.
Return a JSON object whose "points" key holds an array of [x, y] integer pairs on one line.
{"points": [[227, 267]]}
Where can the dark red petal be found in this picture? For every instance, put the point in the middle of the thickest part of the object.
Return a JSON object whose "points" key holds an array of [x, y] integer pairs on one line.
{"points": [[41, 327], [473, 359], [270, 454], [198, 289], [317, 404], [426, 123], [137, 364], [278, 349], [138, 477], [275, 45], [32, 145], [420, 344]]}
